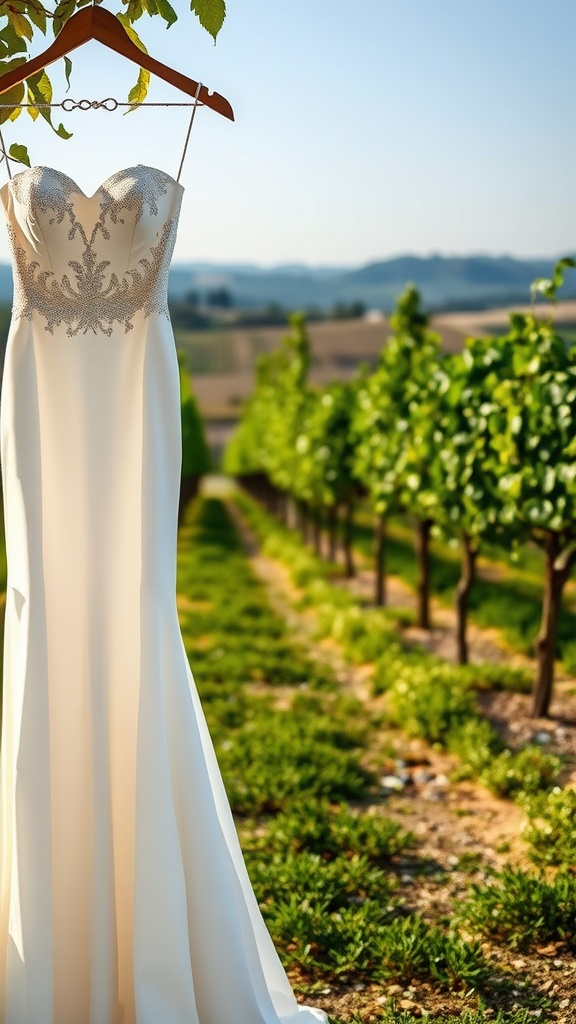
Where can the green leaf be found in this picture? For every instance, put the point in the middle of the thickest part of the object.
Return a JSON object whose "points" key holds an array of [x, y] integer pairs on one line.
{"points": [[139, 91], [10, 42], [20, 24], [19, 153], [61, 131], [37, 16], [67, 72], [15, 95], [63, 11], [166, 11], [123, 19], [544, 286], [133, 11], [40, 89], [210, 13]]}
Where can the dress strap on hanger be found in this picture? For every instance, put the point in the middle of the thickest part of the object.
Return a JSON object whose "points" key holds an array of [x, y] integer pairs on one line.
{"points": [[5, 156], [187, 139]]}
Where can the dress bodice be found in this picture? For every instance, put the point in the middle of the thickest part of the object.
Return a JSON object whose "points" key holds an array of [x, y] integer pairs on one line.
{"points": [[91, 262]]}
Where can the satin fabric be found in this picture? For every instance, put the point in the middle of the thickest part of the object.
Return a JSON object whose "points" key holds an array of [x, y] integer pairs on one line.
{"points": [[124, 896]]}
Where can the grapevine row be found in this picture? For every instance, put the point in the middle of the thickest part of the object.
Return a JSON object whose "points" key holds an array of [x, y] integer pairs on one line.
{"points": [[478, 445]]}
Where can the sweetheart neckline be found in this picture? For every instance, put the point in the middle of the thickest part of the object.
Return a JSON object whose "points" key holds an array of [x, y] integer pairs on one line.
{"points": [[123, 170]]}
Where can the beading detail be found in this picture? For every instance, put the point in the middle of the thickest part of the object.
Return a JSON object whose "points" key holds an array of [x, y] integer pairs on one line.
{"points": [[91, 297]]}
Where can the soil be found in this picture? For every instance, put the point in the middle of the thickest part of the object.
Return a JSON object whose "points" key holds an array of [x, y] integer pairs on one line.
{"points": [[463, 830]]}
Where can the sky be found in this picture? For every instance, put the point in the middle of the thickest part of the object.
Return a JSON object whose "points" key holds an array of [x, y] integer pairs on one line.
{"points": [[363, 131]]}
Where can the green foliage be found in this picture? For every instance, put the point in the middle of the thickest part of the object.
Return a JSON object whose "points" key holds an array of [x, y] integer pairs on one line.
{"points": [[345, 922], [325, 447], [210, 14], [390, 1015], [394, 416], [548, 287], [329, 831], [528, 770], [426, 700], [268, 757], [414, 948], [196, 458], [551, 833], [465, 469], [266, 437], [523, 909], [277, 756]]}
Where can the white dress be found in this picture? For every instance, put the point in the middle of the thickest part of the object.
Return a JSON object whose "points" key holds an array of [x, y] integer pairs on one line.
{"points": [[124, 895]]}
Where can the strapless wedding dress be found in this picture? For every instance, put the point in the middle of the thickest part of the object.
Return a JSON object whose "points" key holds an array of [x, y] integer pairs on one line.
{"points": [[124, 895]]}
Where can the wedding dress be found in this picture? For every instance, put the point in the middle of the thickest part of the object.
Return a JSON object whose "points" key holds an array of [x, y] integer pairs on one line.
{"points": [[124, 896]]}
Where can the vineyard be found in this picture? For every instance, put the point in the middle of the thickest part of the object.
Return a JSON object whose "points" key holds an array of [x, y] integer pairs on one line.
{"points": [[477, 447], [411, 850]]}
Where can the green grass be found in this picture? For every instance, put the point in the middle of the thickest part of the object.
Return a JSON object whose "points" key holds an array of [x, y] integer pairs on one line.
{"points": [[326, 869], [523, 909], [551, 832]]}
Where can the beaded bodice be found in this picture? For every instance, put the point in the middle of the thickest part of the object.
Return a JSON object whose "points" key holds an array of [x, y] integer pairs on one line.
{"points": [[91, 263]]}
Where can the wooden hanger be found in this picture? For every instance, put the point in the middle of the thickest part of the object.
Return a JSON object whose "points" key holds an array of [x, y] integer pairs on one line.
{"points": [[98, 23]]}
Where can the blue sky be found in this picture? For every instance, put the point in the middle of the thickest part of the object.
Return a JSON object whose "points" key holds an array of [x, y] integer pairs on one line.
{"points": [[363, 130]]}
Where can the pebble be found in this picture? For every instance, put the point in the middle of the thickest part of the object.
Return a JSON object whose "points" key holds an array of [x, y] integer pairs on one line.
{"points": [[440, 780], [392, 782], [542, 737], [420, 776], [564, 1003]]}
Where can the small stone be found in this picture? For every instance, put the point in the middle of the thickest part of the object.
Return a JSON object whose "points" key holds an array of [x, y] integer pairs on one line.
{"points": [[420, 776], [542, 737], [564, 1003], [408, 1004], [391, 782], [393, 990], [440, 780], [359, 986], [519, 964]]}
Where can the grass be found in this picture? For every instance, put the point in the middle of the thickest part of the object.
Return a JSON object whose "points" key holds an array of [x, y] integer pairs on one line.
{"points": [[325, 861], [523, 909]]}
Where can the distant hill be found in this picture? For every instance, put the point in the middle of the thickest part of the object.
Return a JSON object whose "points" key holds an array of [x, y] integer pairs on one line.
{"points": [[465, 282], [462, 282]]}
